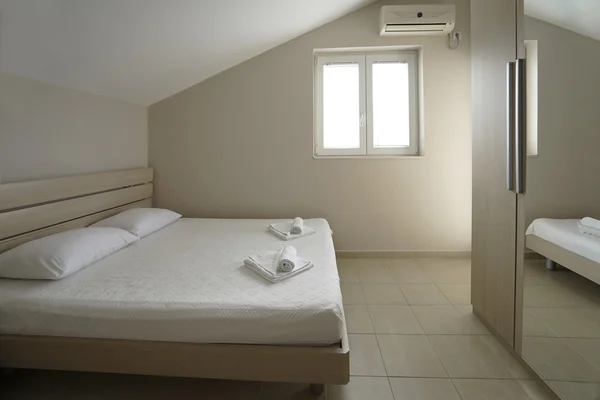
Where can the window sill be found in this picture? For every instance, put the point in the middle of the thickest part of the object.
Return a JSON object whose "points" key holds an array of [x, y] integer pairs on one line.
{"points": [[378, 157]]}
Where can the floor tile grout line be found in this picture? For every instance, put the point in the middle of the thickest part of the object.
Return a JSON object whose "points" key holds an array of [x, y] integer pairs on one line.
{"points": [[437, 356], [381, 355]]}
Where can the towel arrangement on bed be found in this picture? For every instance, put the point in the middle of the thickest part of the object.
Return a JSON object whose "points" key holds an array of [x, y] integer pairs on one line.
{"points": [[589, 227], [276, 266], [290, 230]]}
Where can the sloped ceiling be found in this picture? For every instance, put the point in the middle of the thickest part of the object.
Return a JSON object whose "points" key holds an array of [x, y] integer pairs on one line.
{"points": [[142, 51], [581, 16]]}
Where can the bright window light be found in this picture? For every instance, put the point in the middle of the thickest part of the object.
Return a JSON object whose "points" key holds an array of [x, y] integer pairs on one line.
{"points": [[391, 108], [341, 106]]}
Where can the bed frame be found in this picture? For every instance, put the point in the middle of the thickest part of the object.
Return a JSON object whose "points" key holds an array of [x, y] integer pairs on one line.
{"points": [[34, 209], [558, 255]]}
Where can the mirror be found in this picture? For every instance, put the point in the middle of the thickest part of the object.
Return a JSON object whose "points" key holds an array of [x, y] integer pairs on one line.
{"points": [[561, 296]]}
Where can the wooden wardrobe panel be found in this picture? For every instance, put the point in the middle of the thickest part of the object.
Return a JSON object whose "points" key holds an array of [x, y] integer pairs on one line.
{"points": [[493, 45]]}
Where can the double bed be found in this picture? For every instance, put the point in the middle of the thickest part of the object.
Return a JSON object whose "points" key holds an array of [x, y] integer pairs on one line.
{"points": [[560, 241], [178, 302]]}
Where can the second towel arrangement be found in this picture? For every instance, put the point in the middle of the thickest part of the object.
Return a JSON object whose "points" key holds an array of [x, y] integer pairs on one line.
{"points": [[279, 265], [290, 230], [589, 227]]}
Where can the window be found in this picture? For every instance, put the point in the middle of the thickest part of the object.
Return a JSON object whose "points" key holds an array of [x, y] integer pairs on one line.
{"points": [[366, 104]]}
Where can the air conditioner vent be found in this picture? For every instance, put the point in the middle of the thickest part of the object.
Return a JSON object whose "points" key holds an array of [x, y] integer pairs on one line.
{"points": [[424, 20]]}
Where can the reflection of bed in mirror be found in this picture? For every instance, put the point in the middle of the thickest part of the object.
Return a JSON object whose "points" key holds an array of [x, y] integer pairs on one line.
{"points": [[560, 242]]}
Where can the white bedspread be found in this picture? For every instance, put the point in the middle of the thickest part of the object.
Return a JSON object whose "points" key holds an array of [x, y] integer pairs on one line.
{"points": [[565, 233], [187, 283]]}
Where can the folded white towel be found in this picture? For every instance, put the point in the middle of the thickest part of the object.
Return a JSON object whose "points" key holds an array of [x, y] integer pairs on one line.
{"points": [[265, 265], [283, 230], [297, 226], [589, 227], [591, 223], [287, 259]]}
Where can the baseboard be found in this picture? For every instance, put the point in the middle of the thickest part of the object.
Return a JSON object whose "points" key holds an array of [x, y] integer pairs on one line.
{"points": [[401, 254]]}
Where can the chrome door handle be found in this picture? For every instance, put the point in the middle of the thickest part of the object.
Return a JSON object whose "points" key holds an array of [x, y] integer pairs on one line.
{"points": [[520, 125], [510, 125]]}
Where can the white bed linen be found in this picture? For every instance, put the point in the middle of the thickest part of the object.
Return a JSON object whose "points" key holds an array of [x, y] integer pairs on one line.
{"points": [[187, 283], [565, 233]]}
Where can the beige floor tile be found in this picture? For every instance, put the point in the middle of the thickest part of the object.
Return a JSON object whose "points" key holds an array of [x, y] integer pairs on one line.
{"points": [[366, 358], [589, 349], [361, 388], [467, 356], [347, 270], [352, 293], [292, 391], [446, 270], [367, 262], [394, 319], [569, 322], [423, 389], [358, 319], [410, 356], [534, 390], [535, 273], [383, 293], [375, 274], [444, 320], [476, 325], [489, 389], [567, 295], [456, 293], [409, 272], [553, 359], [532, 327], [538, 296], [576, 391], [423, 295], [511, 364]]}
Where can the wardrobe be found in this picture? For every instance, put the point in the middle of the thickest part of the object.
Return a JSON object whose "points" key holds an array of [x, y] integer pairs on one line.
{"points": [[499, 162]]}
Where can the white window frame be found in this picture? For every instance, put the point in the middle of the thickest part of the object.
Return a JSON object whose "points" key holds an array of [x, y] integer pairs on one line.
{"points": [[365, 61], [409, 58], [339, 59]]}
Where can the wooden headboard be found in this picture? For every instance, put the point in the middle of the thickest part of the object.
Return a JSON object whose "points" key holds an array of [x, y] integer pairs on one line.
{"points": [[33, 209]]}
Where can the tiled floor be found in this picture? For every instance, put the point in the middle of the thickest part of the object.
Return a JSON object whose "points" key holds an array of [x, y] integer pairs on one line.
{"points": [[412, 337], [562, 330]]}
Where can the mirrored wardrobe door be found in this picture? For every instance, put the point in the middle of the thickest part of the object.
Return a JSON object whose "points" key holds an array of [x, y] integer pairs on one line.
{"points": [[561, 276]]}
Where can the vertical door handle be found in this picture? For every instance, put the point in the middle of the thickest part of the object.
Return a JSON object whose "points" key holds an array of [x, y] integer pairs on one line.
{"points": [[521, 125], [510, 125]]}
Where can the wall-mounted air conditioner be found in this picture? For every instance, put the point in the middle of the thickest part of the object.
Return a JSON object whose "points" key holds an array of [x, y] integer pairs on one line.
{"points": [[417, 20]]}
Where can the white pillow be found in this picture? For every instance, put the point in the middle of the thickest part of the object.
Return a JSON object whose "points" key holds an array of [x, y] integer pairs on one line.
{"points": [[62, 254], [140, 221]]}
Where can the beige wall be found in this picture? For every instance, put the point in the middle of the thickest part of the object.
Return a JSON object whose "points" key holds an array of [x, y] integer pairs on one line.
{"points": [[562, 181], [49, 131], [240, 145]]}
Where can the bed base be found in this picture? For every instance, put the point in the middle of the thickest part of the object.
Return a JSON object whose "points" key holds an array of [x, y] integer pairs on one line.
{"points": [[315, 365], [559, 255]]}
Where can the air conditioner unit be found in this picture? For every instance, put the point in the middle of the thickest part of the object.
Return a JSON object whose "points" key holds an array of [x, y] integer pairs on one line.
{"points": [[417, 20]]}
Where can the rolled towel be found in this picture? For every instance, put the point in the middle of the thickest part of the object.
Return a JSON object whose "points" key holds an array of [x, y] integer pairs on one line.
{"points": [[297, 226], [287, 259], [591, 223]]}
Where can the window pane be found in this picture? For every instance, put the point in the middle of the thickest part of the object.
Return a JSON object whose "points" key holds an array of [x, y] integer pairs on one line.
{"points": [[341, 119], [391, 111]]}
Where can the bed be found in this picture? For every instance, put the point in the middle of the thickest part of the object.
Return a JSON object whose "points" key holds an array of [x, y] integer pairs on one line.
{"points": [[177, 303], [561, 243]]}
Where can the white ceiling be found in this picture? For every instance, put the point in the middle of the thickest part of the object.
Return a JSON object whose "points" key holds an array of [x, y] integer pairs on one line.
{"points": [[581, 16], [142, 51]]}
